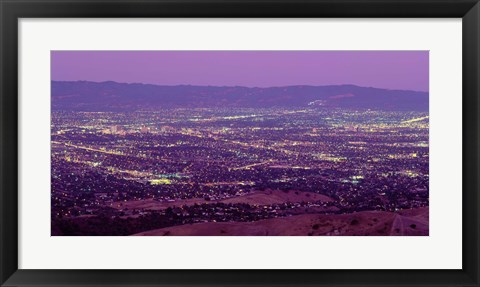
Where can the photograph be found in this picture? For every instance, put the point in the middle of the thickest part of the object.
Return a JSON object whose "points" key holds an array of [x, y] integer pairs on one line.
{"points": [[239, 143]]}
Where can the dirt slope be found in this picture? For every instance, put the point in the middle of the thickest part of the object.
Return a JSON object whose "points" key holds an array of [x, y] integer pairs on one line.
{"points": [[373, 223]]}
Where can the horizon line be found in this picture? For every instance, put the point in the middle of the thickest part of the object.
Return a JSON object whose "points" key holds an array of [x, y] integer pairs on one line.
{"points": [[239, 86]]}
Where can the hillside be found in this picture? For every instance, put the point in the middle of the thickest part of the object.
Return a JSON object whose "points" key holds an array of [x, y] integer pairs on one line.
{"points": [[366, 223], [113, 96]]}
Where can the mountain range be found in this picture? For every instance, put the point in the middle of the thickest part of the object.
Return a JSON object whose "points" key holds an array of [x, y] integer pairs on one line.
{"points": [[113, 96]]}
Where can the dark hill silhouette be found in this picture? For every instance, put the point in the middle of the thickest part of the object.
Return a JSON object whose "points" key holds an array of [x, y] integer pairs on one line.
{"points": [[113, 96]]}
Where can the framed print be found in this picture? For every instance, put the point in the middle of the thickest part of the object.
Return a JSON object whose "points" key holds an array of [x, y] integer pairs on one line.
{"points": [[239, 143]]}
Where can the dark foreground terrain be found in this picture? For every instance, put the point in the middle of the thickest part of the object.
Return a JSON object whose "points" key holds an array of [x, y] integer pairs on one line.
{"points": [[365, 223]]}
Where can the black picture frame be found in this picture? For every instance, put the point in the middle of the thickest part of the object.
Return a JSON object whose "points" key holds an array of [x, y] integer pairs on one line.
{"points": [[12, 10]]}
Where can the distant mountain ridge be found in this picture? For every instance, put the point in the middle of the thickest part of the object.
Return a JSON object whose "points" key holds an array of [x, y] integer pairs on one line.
{"points": [[113, 96]]}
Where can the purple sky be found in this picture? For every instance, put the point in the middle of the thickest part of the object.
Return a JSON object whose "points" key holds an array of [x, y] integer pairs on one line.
{"points": [[383, 69]]}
